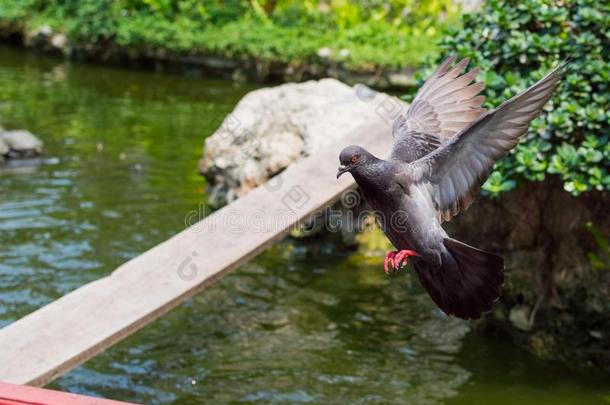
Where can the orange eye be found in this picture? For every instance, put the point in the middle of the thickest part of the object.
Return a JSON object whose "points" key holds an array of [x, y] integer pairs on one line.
{"points": [[354, 159]]}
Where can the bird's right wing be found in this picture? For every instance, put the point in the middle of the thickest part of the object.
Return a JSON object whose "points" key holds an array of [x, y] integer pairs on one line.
{"points": [[456, 171], [446, 103]]}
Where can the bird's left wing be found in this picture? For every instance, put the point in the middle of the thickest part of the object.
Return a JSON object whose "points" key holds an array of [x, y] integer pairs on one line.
{"points": [[445, 104], [456, 171]]}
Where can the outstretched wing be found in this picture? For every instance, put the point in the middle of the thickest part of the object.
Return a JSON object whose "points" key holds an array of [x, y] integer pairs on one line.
{"points": [[455, 171], [446, 103]]}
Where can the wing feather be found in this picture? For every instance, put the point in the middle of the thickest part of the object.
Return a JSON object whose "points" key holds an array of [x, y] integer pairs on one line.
{"points": [[458, 168], [446, 103]]}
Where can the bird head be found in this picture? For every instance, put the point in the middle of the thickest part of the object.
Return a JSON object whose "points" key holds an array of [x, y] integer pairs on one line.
{"points": [[352, 158]]}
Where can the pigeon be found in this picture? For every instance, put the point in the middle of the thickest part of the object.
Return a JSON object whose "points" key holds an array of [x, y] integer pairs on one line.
{"points": [[445, 146]]}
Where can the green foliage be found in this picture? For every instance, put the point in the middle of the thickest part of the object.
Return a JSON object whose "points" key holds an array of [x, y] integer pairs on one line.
{"points": [[516, 43], [368, 34]]}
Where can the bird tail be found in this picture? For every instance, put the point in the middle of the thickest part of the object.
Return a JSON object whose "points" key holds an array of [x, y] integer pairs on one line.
{"points": [[468, 283]]}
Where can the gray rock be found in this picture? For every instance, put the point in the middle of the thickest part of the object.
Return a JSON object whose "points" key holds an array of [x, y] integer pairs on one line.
{"points": [[38, 36], [272, 127], [519, 318], [59, 41], [400, 79], [470, 6], [22, 143]]}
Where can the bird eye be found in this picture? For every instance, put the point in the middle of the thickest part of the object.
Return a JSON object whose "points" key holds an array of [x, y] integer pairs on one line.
{"points": [[354, 159]]}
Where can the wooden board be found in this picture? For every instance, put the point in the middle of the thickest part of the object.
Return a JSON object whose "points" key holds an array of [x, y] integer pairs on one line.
{"points": [[58, 337]]}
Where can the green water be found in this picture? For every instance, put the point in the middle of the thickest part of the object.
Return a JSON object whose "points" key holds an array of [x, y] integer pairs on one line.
{"points": [[302, 323]]}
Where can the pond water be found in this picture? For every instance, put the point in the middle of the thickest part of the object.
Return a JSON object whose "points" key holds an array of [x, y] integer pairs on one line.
{"points": [[305, 322]]}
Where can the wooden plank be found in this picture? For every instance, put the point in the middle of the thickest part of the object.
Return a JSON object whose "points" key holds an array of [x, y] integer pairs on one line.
{"points": [[11, 394], [56, 338]]}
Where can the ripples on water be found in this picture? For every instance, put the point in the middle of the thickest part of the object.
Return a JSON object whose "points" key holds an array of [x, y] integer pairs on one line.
{"points": [[302, 323]]}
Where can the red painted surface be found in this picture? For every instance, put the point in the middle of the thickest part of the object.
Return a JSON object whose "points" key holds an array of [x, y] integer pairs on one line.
{"points": [[11, 394]]}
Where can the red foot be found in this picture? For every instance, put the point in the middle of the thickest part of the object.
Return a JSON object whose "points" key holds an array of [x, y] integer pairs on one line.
{"points": [[397, 259]]}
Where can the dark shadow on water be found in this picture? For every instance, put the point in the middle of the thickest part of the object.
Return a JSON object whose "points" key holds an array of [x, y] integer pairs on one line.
{"points": [[505, 375]]}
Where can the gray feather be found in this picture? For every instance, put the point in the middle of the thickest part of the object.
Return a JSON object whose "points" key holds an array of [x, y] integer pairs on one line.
{"points": [[458, 168], [444, 105]]}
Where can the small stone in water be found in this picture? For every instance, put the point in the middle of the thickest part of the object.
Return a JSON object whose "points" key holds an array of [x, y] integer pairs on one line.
{"points": [[324, 52], [22, 142]]}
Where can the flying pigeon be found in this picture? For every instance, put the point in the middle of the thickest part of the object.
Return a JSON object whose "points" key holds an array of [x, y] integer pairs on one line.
{"points": [[445, 146]]}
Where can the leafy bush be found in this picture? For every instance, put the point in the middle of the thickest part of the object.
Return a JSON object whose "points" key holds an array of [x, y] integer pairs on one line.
{"points": [[359, 34], [515, 43]]}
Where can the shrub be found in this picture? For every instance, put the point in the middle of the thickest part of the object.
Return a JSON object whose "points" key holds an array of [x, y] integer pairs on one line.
{"points": [[515, 43], [370, 34]]}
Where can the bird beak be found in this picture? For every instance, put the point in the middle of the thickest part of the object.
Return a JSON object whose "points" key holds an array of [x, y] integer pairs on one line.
{"points": [[342, 169]]}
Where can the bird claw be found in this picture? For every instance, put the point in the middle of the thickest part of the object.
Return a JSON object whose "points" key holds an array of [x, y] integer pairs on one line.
{"points": [[397, 259], [389, 258]]}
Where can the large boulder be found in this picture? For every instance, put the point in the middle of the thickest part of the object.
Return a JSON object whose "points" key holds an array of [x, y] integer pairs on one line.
{"points": [[21, 143], [272, 127]]}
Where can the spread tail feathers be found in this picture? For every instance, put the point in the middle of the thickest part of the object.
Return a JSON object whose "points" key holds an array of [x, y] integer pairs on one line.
{"points": [[468, 283]]}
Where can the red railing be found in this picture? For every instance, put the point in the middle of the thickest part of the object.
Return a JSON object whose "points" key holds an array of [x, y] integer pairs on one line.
{"points": [[11, 394]]}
